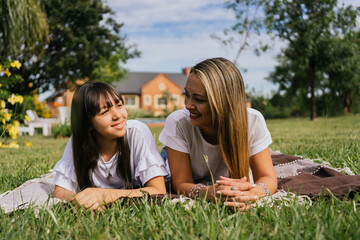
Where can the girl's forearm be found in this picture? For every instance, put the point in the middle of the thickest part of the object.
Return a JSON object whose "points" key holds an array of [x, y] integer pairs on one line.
{"points": [[113, 194], [63, 194]]}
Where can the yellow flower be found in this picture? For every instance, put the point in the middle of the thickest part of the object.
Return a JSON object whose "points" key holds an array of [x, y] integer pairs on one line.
{"points": [[7, 116], [30, 85], [0, 71], [7, 72], [19, 99], [13, 131], [13, 145], [2, 104], [28, 144], [12, 99], [0, 83], [27, 118], [16, 123], [16, 64]]}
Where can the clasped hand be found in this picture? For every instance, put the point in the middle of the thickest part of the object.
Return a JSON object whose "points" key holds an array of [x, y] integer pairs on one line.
{"points": [[90, 199], [236, 193]]}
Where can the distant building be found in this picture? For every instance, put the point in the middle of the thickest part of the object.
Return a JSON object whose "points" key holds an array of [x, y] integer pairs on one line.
{"points": [[153, 92], [150, 91]]}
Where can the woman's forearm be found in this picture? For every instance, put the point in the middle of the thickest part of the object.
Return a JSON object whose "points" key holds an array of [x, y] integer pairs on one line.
{"points": [[270, 184]]}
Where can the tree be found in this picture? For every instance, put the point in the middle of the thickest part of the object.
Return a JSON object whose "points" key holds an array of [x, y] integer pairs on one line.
{"points": [[17, 26], [249, 21], [85, 43], [343, 71], [308, 26]]}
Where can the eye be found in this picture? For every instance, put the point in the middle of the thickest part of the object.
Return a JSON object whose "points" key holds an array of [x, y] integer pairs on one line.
{"points": [[200, 100], [104, 112], [120, 105]]}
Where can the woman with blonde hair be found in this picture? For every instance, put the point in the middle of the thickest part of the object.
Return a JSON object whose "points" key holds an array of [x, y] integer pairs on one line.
{"points": [[216, 146]]}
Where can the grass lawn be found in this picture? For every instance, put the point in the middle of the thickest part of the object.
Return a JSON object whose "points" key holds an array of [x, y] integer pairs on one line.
{"points": [[335, 140]]}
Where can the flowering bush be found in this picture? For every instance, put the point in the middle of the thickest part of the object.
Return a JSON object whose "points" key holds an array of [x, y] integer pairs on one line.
{"points": [[10, 119]]}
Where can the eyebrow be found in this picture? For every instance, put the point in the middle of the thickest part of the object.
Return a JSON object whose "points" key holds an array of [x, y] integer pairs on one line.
{"points": [[195, 94]]}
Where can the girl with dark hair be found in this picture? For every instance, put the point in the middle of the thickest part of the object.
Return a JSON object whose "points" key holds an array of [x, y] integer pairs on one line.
{"points": [[107, 156]]}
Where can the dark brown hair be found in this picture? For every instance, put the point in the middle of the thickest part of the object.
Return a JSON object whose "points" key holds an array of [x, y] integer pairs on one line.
{"points": [[85, 105]]}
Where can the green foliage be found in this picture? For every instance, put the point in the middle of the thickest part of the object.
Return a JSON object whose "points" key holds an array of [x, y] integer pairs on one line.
{"points": [[319, 67], [17, 27], [336, 140], [135, 113], [85, 43], [10, 104], [310, 28], [61, 130]]}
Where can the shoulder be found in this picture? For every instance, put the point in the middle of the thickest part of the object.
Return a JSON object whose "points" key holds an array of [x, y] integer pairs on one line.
{"points": [[253, 113], [136, 128], [135, 125], [255, 117], [179, 115], [176, 118]]}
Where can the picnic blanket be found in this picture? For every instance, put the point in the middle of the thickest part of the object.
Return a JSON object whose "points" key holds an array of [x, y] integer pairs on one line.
{"points": [[303, 176], [295, 174]]}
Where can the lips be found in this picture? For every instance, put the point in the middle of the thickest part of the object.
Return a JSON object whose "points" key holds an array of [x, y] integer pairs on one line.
{"points": [[195, 115], [119, 125]]}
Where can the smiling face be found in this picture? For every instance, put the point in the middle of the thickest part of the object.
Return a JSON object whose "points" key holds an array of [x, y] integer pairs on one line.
{"points": [[197, 103], [109, 123]]}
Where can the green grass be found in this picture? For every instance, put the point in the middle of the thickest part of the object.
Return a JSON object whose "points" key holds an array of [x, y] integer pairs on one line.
{"points": [[336, 140]]}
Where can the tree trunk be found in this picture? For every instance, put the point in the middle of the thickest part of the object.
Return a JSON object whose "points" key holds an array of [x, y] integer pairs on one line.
{"points": [[347, 104]]}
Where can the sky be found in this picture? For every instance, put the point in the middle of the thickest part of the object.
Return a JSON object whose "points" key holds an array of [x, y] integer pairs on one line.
{"points": [[173, 35]]}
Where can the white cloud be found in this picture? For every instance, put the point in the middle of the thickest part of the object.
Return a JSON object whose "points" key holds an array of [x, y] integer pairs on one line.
{"points": [[175, 34]]}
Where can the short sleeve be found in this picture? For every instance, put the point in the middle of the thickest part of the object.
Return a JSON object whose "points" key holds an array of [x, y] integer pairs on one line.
{"points": [[260, 137], [148, 162], [65, 171], [173, 135]]}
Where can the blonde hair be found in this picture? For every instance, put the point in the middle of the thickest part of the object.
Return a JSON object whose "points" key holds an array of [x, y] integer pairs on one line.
{"points": [[226, 95]]}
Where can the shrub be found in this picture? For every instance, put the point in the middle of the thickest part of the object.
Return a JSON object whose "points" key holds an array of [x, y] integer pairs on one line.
{"points": [[61, 130]]}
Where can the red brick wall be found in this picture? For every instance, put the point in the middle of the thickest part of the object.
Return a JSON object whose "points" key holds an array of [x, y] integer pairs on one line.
{"points": [[154, 90]]}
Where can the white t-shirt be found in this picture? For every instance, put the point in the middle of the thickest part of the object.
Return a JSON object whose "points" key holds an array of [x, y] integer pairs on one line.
{"points": [[180, 135], [146, 162]]}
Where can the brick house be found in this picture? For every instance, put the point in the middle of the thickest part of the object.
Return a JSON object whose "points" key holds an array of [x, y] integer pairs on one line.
{"points": [[153, 92], [150, 91]]}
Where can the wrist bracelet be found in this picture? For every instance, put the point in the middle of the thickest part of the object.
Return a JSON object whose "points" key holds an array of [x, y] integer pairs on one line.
{"points": [[267, 193], [195, 190]]}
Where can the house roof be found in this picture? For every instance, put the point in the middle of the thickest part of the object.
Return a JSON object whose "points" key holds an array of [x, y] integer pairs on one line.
{"points": [[134, 81]]}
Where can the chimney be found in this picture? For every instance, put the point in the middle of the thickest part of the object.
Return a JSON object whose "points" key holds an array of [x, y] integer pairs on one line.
{"points": [[186, 71]]}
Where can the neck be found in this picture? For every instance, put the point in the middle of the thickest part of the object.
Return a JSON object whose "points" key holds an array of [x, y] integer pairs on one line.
{"points": [[107, 148], [209, 134]]}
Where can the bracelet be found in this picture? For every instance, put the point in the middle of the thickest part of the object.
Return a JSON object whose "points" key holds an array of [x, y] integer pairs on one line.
{"points": [[195, 190], [267, 193]]}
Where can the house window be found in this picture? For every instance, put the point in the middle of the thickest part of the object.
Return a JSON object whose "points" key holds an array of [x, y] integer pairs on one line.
{"points": [[160, 101], [175, 98], [130, 101], [147, 100]]}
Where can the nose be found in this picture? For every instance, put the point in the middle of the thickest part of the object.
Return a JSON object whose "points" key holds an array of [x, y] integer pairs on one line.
{"points": [[189, 104], [115, 113]]}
